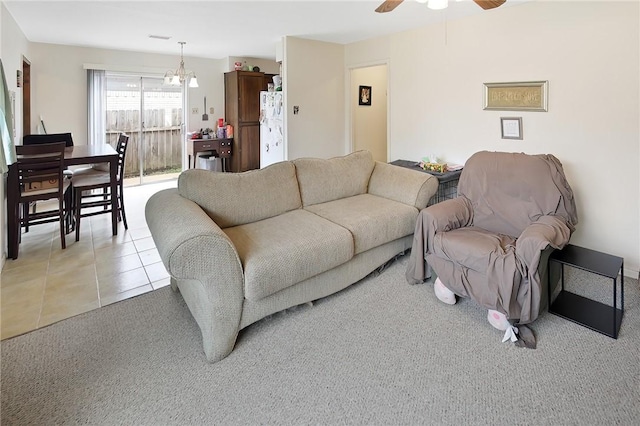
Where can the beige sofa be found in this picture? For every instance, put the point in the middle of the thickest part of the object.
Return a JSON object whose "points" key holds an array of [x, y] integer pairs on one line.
{"points": [[243, 246]]}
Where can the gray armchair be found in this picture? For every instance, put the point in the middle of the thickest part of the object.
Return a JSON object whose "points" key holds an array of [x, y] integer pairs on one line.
{"points": [[491, 243]]}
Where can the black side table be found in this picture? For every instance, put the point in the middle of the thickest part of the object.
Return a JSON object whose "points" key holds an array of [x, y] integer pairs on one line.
{"points": [[447, 182], [597, 316]]}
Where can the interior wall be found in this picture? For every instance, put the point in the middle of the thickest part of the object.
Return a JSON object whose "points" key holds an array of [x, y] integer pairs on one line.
{"points": [[59, 84], [211, 84], [13, 46], [313, 81], [589, 53], [369, 122]]}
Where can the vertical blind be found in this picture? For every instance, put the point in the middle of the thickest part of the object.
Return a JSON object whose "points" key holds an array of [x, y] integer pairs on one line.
{"points": [[97, 105]]}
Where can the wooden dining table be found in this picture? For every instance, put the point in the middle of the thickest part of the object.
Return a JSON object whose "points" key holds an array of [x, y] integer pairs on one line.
{"points": [[73, 156]]}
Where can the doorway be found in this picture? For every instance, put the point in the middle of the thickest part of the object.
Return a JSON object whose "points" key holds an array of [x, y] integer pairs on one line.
{"points": [[151, 113], [369, 129], [26, 97]]}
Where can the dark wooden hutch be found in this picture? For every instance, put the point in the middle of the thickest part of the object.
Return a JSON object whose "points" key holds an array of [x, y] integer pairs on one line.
{"points": [[242, 111]]}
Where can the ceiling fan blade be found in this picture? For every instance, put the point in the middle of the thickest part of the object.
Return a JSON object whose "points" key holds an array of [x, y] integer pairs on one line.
{"points": [[489, 4], [388, 6]]}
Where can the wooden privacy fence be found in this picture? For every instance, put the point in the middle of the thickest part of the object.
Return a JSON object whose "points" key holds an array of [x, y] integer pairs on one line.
{"points": [[162, 143]]}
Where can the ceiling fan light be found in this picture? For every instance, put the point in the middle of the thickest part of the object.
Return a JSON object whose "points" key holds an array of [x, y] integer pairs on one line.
{"points": [[437, 4]]}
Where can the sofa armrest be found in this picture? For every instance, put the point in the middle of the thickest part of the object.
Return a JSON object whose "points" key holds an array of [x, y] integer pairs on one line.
{"points": [[447, 215], [403, 185], [546, 231], [190, 243], [441, 217], [205, 264], [532, 252]]}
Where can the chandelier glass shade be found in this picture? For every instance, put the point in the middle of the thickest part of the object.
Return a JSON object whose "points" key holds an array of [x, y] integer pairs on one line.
{"points": [[177, 77]]}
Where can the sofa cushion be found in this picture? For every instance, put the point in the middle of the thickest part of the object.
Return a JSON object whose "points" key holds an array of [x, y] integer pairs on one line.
{"points": [[281, 251], [372, 220], [324, 180], [232, 199]]}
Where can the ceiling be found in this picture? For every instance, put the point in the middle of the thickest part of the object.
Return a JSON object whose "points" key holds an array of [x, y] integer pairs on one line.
{"points": [[218, 29]]}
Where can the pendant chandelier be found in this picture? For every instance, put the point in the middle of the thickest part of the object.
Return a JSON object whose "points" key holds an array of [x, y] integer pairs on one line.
{"points": [[177, 77]]}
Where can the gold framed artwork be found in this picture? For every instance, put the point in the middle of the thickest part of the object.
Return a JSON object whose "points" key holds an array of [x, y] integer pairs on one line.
{"points": [[518, 96]]}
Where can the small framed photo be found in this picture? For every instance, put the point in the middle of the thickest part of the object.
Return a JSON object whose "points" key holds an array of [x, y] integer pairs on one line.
{"points": [[364, 95], [511, 127]]}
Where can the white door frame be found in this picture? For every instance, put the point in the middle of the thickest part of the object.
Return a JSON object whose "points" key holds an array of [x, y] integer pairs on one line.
{"points": [[350, 95]]}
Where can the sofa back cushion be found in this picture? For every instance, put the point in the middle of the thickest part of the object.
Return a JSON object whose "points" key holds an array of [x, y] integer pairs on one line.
{"points": [[323, 180], [232, 199]]}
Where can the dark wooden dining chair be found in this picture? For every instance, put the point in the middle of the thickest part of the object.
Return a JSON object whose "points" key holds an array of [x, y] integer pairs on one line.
{"points": [[40, 178], [86, 181], [45, 139]]}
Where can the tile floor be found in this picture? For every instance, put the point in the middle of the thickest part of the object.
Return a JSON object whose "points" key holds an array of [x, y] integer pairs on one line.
{"points": [[47, 284]]}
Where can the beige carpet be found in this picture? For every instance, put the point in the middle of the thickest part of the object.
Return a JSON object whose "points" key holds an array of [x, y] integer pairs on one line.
{"points": [[380, 352]]}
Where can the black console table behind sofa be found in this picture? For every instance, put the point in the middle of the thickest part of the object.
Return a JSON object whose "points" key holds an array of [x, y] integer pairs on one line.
{"points": [[448, 182]]}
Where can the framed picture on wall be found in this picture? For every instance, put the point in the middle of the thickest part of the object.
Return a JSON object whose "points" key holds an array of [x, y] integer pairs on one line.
{"points": [[364, 95], [522, 96], [511, 127]]}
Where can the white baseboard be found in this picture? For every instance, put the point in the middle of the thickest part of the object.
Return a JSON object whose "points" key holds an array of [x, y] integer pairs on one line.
{"points": [[631, 273]]}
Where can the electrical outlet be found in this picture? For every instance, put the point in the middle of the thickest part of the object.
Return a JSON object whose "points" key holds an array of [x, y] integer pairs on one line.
{"points": [[211, 110], [194, 110]]}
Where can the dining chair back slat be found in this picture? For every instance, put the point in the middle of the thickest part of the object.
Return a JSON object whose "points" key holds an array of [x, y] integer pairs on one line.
{"points": [[48, 138], [40, 178], [84, 183]]}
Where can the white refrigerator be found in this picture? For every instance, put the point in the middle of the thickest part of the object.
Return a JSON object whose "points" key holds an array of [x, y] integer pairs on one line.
{"points": [[271, 128]]}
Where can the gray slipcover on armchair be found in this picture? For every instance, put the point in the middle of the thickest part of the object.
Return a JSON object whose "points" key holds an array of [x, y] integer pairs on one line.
{"points": [[491, 243]]}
